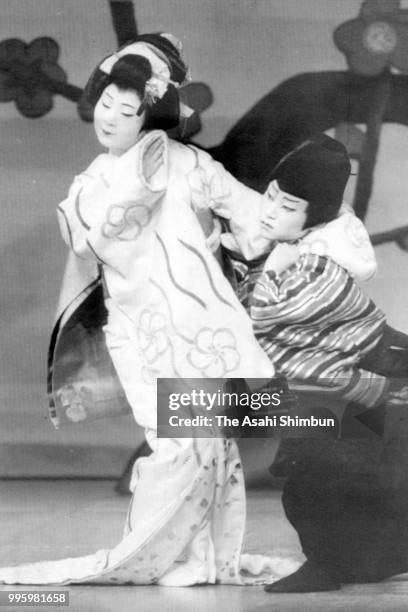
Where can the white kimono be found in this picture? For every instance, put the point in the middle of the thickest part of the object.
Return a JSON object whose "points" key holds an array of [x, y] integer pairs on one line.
{"points": [[171, 313]]}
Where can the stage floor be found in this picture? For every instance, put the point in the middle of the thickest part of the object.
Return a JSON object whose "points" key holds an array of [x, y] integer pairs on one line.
{"points": [[52, 519]]}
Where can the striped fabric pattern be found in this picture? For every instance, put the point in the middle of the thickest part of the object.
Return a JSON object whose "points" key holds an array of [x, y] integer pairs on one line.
{"points": [[245, 275], [315, 323]]}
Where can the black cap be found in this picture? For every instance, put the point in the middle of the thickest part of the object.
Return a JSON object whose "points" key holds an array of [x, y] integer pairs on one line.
{"points": [[317, 171]]}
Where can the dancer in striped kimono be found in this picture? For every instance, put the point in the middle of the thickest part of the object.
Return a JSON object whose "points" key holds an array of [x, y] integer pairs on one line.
{"points": [[347, 497], [308, 310]]}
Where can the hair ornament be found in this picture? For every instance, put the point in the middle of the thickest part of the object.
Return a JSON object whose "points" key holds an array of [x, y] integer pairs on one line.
{"points": [[155, 89]]}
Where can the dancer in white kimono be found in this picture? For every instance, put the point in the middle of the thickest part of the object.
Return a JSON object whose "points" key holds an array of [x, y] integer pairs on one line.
{"points": [[135, 213]]}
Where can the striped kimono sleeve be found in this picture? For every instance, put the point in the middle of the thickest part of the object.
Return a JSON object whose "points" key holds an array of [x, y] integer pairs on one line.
{"points": [[313, 321], [300, 292], [246, 275]]}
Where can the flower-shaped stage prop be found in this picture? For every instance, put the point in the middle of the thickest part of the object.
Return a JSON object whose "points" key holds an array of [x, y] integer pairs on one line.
{"points": [[377, 39], [374, 43], [30, 76]]}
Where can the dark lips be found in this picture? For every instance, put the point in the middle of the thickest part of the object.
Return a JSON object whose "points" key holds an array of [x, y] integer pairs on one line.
{"points": [[266, 225]]}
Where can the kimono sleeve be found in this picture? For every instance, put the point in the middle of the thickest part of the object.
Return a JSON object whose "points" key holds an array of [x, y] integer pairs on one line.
{"points": [[218, 190], [292, 296], [112, 200], [346, 241], [306, 291]]}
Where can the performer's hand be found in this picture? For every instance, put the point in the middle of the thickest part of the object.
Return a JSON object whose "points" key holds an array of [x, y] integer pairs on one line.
{"points": [[282, 256], [153, 157], [229, 241], [213, 241]]}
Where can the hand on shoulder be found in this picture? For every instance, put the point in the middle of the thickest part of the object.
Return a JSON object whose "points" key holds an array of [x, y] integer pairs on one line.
{"points": [[282, 257]]}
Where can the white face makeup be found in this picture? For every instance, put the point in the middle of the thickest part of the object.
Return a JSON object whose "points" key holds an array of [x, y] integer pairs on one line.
{"points": [[283, 216], [116, 122]]}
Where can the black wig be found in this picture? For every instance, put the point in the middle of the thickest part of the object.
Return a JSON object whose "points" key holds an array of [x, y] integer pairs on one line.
{"points": [[133, 71]]}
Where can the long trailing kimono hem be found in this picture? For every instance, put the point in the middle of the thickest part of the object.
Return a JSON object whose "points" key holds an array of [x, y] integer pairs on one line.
{"points": [[194, 539], [171, 313]]}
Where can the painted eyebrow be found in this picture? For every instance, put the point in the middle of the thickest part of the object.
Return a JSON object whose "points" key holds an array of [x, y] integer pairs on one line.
{"points": [[287, 197], [129, 106], [108, 95], [294, 200]]}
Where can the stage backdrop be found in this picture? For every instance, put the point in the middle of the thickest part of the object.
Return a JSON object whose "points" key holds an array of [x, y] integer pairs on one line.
{"points": [[242, 49]]}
